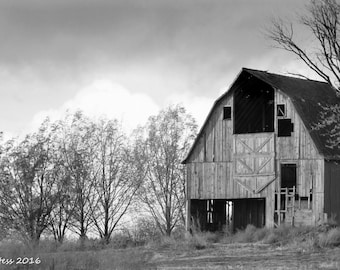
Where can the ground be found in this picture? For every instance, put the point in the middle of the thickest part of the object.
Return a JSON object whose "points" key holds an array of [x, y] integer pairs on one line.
{"points": [[247, 256], [254, 248], [216, 256]]}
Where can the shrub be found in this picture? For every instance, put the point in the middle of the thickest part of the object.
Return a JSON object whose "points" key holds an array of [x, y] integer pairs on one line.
{"points": [[121, 240], [146, 231]]}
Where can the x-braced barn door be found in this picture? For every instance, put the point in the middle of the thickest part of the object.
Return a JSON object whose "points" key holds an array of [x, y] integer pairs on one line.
{"points": [[254, 160]]}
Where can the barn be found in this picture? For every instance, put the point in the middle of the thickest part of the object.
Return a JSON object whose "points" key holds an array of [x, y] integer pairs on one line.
{"points": [[259, 160]]}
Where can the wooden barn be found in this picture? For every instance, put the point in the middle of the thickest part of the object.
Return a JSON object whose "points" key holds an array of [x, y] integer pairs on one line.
{"points": [[258, 160]]}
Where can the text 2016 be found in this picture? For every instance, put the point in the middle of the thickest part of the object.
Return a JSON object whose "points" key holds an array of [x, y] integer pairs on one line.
{"points": [[20, 260]]}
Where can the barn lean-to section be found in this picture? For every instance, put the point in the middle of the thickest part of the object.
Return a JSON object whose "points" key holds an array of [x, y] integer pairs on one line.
{"points": [[256, 159]]}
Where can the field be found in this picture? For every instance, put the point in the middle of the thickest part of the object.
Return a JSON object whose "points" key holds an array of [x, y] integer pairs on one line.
{"points": [[249, 256], [251, 249]]}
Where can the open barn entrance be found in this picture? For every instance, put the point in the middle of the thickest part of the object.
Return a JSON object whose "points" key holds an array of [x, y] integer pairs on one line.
{"points": [[210, 215], [216, 215], [248, 211]]}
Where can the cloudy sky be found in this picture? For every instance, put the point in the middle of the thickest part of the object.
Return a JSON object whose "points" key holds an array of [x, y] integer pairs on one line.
{"points": [[129, 58]]}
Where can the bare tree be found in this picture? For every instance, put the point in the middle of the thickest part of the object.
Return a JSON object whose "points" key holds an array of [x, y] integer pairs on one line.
{"points": [[167, 138], [323, 52], [116, 183], [322, 55]]}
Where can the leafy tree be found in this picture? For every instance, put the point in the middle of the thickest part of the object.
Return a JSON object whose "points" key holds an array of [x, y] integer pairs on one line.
{"points": [[62, 214], [163, 143], [77, 152], [28, 182]]}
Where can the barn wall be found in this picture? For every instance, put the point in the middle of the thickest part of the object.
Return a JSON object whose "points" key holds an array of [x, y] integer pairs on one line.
{"points": [[332, 190], [300, 145], [211, 165], [300, 149], [215, 144]]}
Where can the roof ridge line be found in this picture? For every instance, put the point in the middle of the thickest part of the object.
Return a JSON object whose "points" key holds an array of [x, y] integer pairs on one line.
{"points": [[283, 75]]}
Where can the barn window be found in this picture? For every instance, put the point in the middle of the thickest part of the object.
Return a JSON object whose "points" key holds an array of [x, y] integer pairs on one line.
{"points": [[227, 113], [281, 110], [253, 107], [285, 127]]}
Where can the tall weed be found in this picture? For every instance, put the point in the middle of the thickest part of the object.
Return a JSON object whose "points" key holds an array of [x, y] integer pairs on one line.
{"points": [[330, 238]]}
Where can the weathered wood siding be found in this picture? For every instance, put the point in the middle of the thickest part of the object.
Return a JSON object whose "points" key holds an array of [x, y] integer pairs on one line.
{"points": [[215, 142], [298, 146], [227, 166], [300, 149]]}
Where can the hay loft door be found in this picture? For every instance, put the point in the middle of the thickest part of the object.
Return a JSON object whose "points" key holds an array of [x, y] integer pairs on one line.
{"points": [[254, 160]]}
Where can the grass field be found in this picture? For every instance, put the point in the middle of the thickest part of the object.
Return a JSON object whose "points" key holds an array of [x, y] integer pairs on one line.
{"points": [[282, 248]]}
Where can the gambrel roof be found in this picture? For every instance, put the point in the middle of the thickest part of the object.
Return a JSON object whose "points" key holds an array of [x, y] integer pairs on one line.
{"points": [[309, 97]]}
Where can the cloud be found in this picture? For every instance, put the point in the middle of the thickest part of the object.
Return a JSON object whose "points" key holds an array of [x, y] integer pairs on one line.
{"points": [[197, 106], [106, 98], [185, 49], [192, 32]]}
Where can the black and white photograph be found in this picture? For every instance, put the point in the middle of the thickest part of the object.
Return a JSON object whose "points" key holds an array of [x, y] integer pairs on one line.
{"points": [[169, 134]]}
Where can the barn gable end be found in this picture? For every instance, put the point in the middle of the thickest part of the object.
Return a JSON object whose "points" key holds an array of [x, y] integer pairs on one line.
{"points": [[257, 147]]}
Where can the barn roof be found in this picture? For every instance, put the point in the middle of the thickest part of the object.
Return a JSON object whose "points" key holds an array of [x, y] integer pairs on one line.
{"points": [[308, 96]]}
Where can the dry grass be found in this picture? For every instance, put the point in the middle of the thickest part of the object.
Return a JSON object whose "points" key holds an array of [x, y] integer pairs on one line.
{"points": [[306, 237], [330, 238], [121, 255]]}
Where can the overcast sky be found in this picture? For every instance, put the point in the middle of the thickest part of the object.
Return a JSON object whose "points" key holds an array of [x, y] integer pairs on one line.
{"points": [[129, 58]]}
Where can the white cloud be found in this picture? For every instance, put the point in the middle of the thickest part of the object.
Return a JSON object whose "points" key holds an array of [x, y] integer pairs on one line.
{"points": [[197, 106], [104, 97]]}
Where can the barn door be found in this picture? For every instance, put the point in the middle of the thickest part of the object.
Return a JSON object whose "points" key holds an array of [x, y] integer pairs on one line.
{"points": [[254, 160]]}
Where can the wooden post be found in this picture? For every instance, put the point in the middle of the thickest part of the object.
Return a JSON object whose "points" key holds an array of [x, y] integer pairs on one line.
{"points": [[293, 206], [188, 215], [286, 199], [278, 197]]}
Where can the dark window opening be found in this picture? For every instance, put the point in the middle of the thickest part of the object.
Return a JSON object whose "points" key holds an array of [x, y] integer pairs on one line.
{"points": [[285, 127], [288, 175], [253, 107], [227, 113], [281, 110]]}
